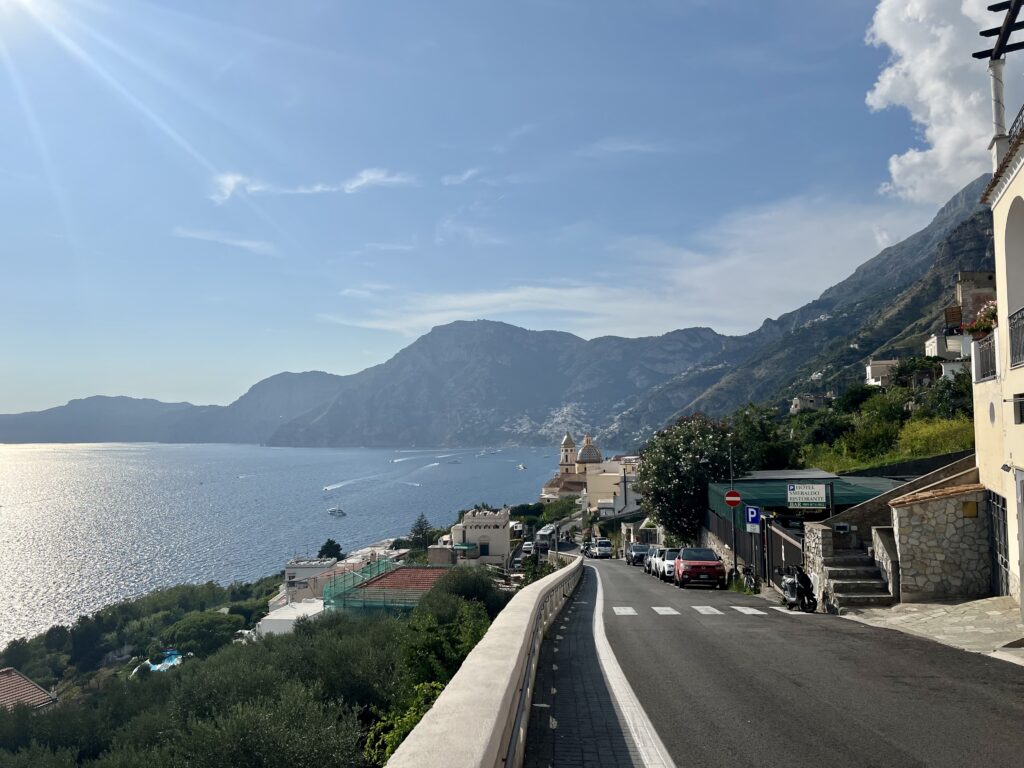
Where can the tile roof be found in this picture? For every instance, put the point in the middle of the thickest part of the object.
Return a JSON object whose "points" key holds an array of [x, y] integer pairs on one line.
{"points": [[419, 579], [16, 689]]}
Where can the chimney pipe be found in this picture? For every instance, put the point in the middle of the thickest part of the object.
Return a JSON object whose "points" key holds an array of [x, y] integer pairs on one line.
{"points": [[1000, 142]]}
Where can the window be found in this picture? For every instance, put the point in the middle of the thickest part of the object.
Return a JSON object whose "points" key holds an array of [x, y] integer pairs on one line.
{"points": [[485, 549], [1018, 408]]}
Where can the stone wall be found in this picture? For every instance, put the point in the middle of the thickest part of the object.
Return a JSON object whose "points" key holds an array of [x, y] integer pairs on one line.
{"points": [[875, 511], [817, 546], [883, 544], [942, 543]]}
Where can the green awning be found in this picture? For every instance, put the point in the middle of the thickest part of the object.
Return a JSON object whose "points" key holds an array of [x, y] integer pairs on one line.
{"points": [[772, 494]]}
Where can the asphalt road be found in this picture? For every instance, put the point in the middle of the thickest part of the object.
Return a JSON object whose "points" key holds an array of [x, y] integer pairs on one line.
{"points": [[727, 688]]}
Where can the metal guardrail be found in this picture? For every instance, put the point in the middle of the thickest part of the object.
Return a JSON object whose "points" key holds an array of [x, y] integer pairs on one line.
{"points": [[1016, 323], [986, 364], [344, 582], [480, 718]]}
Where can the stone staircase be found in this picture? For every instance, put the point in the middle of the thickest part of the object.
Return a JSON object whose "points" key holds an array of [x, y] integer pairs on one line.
{"points": [[854, 581]]}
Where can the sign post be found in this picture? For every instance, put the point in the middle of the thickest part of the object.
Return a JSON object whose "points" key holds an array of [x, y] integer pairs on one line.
{"points": [[753, 515], [733, 499]]}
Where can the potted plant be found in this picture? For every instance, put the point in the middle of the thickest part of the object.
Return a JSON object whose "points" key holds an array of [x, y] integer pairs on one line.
{"points": [[985, 321]]}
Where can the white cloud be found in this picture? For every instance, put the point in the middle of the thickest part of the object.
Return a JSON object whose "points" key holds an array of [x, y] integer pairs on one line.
{"points": [[932, 75], [617, 145], [453, 228], [410, 246], [378, 177], [787, 254], [456, 179], [512, 137], [227, 185], [260, 247]]}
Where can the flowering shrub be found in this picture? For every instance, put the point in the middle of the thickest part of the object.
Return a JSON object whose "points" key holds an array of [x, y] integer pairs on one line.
{"points": [[986, 319]]}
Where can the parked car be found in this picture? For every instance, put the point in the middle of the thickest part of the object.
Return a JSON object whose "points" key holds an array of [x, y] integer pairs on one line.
{"points": [[517, 563], [603, 548], [649, 559], [699, 565], [637, 553], [668, 564], [657, 561], [527, 547]]}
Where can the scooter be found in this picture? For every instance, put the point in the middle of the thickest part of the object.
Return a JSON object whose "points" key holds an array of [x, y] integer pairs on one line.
{"points": [[798, 591]]}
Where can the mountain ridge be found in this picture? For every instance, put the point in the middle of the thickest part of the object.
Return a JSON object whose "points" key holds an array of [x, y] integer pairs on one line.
{"points": [[478, 382]]}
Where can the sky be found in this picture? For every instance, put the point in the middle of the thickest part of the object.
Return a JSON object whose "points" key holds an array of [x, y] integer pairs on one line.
{"points": [[197, 195]]}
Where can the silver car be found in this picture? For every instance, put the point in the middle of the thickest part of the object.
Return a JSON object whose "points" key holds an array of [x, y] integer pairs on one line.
{"points": [[668, 564]]}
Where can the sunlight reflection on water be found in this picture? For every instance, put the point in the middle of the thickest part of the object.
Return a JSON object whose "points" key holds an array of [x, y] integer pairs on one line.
{"points": [[82, 526]]}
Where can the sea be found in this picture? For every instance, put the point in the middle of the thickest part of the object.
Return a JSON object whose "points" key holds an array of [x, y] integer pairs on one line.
{"points": [[84, 526]]}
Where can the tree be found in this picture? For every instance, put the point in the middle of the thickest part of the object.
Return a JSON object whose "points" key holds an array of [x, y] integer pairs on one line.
{"points": [[851, 400], [202, 633], [949, 398], [756, 435], [421, 533], [676, 466], [822, 427], [331, 548]]}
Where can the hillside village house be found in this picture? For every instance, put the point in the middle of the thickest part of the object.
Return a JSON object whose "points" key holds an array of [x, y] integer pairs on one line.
{"points": [[879, 372], [998, 359], [483, 536]]}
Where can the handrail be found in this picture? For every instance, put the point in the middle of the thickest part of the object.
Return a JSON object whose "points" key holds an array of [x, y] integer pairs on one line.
{"points": [[1016, 323], [480, 718]]}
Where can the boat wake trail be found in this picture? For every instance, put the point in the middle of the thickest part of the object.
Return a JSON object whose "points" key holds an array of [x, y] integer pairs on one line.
{"points": [[343, 483]]}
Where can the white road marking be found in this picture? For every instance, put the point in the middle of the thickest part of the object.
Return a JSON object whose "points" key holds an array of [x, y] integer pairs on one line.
{"points": [[652, 751], [747, 610], [780, 609], [665, 611], [707, 610], [624, 611]]}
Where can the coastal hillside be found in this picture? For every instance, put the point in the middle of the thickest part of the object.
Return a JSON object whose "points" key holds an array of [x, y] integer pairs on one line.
{"points": [[889, 305], [484, 382]]}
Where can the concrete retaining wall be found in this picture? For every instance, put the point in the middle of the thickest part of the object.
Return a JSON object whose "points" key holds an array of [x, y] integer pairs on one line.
{"points": [[886, 554], [480, 718]]}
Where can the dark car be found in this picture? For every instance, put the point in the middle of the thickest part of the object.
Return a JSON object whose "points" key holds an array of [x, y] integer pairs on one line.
{"points": [[636, 553], [699, 565]]}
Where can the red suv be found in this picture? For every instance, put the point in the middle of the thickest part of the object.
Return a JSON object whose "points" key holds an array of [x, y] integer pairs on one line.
{"points": [[699, 565]]}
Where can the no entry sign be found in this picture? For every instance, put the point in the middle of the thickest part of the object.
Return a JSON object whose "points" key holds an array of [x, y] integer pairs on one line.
{"points": [[732, 498]]}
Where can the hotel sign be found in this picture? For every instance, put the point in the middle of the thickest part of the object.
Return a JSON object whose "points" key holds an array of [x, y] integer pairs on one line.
{"points": [[807, 496]]}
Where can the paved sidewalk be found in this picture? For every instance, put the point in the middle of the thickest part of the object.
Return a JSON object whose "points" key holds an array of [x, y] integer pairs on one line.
{"points": [[573, 720], [980, 626]]}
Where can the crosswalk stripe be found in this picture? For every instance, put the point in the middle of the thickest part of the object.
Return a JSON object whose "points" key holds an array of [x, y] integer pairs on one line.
{"points": [[624, 610], [788, 612], [707, 610], [747, 610], [665, 611]]}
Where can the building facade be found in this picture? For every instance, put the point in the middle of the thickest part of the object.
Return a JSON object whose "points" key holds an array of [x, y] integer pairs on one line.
{"points": [[483, 536], [998, 359]]}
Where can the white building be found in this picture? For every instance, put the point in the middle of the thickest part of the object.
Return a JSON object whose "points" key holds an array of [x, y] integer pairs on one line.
{"points": [[998, 359], [483, 536], [281, 621], [946, 347], [879, 372]]}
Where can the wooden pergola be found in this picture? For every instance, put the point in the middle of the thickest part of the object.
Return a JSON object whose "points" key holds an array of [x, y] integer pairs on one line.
{"points": [[1002, 33]]}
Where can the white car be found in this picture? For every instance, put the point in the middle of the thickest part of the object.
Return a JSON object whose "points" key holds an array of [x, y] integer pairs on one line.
{"points": [[527, 547], [603, 548], [657, 561], [668, 564]]}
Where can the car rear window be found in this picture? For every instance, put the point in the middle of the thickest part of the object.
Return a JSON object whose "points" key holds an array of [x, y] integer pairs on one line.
{"points": [[604, 542], [698, 554]]}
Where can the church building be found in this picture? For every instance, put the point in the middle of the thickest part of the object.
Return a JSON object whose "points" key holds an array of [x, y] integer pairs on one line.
{"points": [[573, 468]]}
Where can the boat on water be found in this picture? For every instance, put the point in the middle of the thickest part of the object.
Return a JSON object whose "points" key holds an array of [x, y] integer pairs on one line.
{"points": [[336, 512], [520, 467], [454, 461]]}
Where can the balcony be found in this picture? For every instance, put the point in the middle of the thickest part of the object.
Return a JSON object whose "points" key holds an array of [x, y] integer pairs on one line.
{"points": [[1016, 324], [985, 366]]}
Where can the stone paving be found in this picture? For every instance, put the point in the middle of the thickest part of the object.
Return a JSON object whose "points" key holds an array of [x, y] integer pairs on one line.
{"points": [[573, 720], [980, 626]]}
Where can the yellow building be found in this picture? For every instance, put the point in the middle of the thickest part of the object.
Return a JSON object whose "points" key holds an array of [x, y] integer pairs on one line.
{"points": [[998, 359], [573, 468]]}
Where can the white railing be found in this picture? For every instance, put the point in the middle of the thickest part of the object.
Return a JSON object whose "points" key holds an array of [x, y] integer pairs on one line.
{"points": [[480, 718]]}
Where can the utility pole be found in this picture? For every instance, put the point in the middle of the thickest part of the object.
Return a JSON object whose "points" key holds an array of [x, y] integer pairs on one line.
{"points": [[735, 568]]}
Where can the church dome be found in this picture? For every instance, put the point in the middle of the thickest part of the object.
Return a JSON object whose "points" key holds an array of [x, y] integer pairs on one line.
{"points": [[589, 453]]}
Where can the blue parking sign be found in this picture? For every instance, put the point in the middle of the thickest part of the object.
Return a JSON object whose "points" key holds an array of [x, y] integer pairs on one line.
{"points": [[753, 519]]}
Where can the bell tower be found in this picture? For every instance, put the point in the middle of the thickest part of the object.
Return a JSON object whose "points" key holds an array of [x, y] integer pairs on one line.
{"points": [[567, 462]]}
